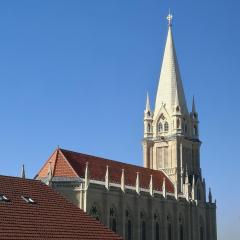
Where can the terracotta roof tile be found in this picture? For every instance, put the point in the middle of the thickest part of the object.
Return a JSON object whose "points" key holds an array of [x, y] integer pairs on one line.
{"points": [[51, 217], [97, 169]]}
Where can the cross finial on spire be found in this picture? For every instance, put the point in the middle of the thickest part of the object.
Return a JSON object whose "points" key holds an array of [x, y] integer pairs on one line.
{"points": [[169, 18]]}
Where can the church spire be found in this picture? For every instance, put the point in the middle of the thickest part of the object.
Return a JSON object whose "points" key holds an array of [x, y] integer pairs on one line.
{"points": [[170, 81]]}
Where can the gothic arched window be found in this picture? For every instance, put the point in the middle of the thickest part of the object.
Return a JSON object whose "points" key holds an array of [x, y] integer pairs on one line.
{"points": [[198, 193], [128, 226], [113, 219], [143, 235], [181, 232], [201, 229], [129, 230], [160, 127], [169, 228], [157, 231], [169, 231], [178, 123], [201, 233], [195, 130], [149, 127], [156, 226], [166, 127], [94, 212], [143, 230]]}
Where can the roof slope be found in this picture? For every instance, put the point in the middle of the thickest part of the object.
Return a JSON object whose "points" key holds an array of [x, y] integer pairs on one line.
{"points": [[97, 168], [51, 217]]}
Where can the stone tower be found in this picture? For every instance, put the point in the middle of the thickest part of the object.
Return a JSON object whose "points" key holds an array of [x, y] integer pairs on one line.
{"points": [[171, 136]]}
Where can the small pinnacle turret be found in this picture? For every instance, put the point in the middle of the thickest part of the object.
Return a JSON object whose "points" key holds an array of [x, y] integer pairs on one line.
{"points": [[210, 195], [23, 175], [148, 118], [193, 105], [148, 108], [194, 120]]}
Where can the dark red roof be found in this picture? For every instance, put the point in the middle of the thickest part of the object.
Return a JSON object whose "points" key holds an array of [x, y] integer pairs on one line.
{"points": [[50, 217], [72, 164]]}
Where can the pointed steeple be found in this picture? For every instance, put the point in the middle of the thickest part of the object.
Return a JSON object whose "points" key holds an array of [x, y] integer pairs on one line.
{"points": [[210, 195], [23, 175], [170, 81], [148, 108], [193, 105], [148, 119], [147, 112]]}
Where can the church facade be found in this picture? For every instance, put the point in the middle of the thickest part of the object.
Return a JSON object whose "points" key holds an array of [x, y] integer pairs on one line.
{"points": [[164, 200]]}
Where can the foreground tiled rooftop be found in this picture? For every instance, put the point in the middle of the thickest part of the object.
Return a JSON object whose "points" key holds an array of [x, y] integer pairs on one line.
{"points": [[48, 216]]}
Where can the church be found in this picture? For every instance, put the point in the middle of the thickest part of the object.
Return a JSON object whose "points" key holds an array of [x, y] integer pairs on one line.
{"points": [[165, 199]]}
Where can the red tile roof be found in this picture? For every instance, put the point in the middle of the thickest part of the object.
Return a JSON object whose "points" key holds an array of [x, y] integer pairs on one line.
{"points": [[51, 217], [71, 164]]}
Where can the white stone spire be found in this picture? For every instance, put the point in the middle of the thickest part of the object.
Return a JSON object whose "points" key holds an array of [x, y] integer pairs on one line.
{"points": [[170, 84]]}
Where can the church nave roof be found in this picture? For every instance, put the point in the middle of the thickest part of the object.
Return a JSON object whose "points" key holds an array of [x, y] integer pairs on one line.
{"points": [[69, 164]]}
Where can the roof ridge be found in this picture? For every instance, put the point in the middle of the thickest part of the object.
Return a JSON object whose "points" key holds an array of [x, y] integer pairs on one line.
{"points": [[115, 161], [107, 159], [19, 178]]}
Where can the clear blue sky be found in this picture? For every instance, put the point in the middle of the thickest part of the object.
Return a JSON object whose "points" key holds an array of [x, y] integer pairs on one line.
{"points": [[76, 73]]}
